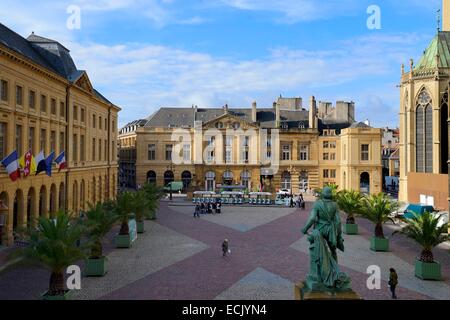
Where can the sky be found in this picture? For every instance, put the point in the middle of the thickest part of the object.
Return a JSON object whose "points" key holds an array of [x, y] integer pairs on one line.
{"points": [[147, 54]]}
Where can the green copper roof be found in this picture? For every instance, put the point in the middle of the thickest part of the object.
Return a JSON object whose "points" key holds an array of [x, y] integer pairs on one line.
{"points": [[439, 45]]}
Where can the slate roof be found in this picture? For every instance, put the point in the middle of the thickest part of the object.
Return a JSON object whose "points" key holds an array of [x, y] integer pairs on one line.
{"points": [[439, 45], [47, 53]]}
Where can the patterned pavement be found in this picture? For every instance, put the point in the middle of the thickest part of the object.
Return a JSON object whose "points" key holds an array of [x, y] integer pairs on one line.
{"points": [[179, 257]]}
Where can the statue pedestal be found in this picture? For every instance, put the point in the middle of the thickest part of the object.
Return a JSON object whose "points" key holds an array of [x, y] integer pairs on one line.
{"points": [[304, 294]]}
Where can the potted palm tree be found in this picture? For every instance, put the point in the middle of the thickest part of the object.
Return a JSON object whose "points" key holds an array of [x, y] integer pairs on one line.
{"points": [[154, 194], [140, 205], [377, 208], [123, 210], [99, 221], [54, 244], [425, 230], [349, 201]]}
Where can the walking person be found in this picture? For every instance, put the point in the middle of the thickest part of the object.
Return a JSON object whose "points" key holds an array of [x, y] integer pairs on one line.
{"points": [[225, 247], [393, 282], [302, 201], [291, 201], [219, 207], [197, 211], [202, 208]]}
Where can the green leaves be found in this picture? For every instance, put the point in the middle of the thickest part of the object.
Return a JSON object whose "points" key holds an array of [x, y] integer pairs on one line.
{"points": [[99, 221], [424, 230], [377, 208]]}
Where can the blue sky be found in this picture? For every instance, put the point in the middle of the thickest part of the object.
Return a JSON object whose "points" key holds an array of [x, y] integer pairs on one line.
{"points": [[146, 54]]}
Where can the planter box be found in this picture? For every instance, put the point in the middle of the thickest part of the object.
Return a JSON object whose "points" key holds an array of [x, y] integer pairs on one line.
{"points": [[66, 296], [379, 244], [123, 241], [351, 228], [428, 271], [95, 267], [140, 227]]}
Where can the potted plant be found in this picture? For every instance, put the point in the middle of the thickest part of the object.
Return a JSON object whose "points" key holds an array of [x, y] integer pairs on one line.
{"points": [[349, 201], [377, 208], [99, 221], [123, 211], [426, 231], [154, 194], [54, 244], [140, 205]]}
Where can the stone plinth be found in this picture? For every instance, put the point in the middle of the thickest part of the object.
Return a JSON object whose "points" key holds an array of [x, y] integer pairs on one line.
{"points": [[303, 294]]}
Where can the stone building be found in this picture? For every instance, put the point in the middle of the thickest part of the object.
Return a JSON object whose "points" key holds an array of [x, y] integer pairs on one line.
{"points": [[424, 123], [239, 146], [46, 103]]}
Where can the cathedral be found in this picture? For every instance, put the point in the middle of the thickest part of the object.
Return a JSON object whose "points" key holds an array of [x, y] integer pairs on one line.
{"points": [[424, 123]]}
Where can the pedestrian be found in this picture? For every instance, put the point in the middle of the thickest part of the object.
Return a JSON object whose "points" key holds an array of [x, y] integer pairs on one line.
{"points": [[225, 247], [291, 201], [202, 207], [219, 207], [197, 211], [393, 282], [302, 201]]}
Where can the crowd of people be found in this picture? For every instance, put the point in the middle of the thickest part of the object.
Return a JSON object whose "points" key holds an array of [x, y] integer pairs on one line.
{"points": [[207, 208]]}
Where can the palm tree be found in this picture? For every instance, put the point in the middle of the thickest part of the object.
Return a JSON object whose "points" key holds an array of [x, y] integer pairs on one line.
{"points": [[334, 190], [349, 201], [123, 209], [377, 208], [153, 194], [425, 230], [54, 244], [99, 222]]}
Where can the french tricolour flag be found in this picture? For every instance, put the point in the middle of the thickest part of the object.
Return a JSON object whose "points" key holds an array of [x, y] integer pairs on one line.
{"points": [[12, 166], [61, 161]]}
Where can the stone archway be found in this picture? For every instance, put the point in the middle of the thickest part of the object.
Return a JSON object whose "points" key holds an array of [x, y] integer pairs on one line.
{"points": [[364, 182], [53, 197], [18, 210], [62, 197], [43, 202], [186, 177], [31, 207], [168, 177]]}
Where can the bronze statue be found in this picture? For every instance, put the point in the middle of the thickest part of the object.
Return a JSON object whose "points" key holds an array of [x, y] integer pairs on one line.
{"points": [[325, 238]]}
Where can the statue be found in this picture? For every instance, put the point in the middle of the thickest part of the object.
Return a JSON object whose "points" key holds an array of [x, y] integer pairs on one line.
{"points": [[325, 239]]}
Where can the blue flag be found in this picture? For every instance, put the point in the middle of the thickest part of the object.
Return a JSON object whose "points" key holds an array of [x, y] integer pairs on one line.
{"points": [[48, 164]]}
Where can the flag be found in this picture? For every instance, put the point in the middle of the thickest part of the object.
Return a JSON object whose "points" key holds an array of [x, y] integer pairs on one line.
{"points": [[61, 161], [12, 166], [27, 163], [40, 162], [48, 164]]}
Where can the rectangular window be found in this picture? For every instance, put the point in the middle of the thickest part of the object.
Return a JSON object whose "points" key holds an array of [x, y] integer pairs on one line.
{"points": [[333, 173], [228, 156], [325, 156], [75, 148], [325, 173], [52, 141], [19, 139], [106, 150], [332, 144], [187, 152], [2, 140], [113, 127], [82, 115], [325, 144], [82, 148], [93, 121], [106, 124], [246, 141], [333, 156], [303, 153], [286, 152], [62, 142], [31, 139], [43, 103], [43, 140], [169, 152], [53, 106], [75, 113], [100, 123], [245, 155], [32, 99], [99, 149], [94, 145], [4, 90], [365, 152], [62, 109], [19, 95], [152, 152], [113, 150]]}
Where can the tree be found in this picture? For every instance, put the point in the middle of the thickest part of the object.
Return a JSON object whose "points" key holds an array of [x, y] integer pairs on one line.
{"points": [[140, 204], [153, 194], [349, 201], [123, 209], [54, 244], [377, 208], [425, 230], [99, 222]]}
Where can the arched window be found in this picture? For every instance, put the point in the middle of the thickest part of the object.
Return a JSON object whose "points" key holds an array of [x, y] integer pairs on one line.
{"points": [[168, 177], [53, 197], [365, 182], [151, 176], [424, 133], [228, 178], [31, 206], [286, 180], [62, 197], [42, 201], [186, 177]]}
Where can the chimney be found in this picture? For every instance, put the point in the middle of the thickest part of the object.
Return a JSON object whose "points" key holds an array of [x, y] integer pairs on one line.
{"points": [[312, 113], [225, 108], [254, 118], [277, 114], [446, 15]]}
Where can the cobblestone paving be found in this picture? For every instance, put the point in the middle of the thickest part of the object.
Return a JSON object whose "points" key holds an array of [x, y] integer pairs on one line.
{"points": [[179, 257]]}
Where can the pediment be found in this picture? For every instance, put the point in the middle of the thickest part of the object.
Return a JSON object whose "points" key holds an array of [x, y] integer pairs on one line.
{"points": [[84, 83], [229, 121]]}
